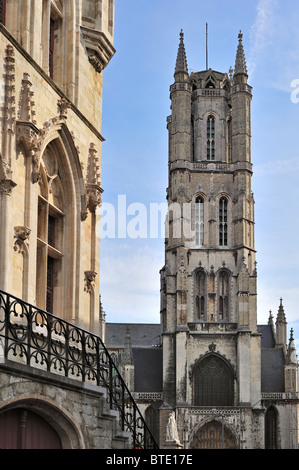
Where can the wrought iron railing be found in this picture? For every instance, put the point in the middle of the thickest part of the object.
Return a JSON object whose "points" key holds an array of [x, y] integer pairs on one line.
{"points": [[41, 340]]}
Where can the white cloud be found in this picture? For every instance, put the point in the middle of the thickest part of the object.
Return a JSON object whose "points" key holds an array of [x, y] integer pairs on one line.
{"points": [[289, 165], [261, 32]]}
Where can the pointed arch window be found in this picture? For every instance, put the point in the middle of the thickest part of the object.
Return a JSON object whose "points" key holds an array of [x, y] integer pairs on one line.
{"points": [[210, 82], [223, 295], [50, 230], [152, 420], [271, 428], [229, 139], [211, 138], [223, 222], [200, 294], [199, 221], [213, 382]]}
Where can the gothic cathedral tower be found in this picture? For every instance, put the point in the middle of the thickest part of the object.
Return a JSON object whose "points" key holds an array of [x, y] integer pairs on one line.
{"points": [[211, 346]]}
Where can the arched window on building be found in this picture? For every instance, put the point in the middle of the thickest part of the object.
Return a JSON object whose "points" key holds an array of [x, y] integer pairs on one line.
{"points": [[50, 230], [200, 294], [223, 222], [199, 221], [52, 39], [213, 382], [271, 428], [211, 138], [210, 82], [223, 295], [152, 421], [229, 139]]}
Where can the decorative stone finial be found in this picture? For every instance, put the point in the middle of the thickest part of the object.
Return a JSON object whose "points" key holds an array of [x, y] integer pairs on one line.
{"points": [[181, 62], [240, 65]]}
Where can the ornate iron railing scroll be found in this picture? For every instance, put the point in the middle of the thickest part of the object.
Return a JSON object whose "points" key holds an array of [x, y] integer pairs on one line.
{"points": [[41, 340]]}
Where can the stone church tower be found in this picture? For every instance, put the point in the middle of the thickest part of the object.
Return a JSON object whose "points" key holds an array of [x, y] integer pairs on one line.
{"points": [[209, 376], [211, 345]]}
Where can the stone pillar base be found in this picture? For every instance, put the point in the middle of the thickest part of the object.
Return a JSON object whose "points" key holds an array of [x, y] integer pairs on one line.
{"points": [[172, 445]]}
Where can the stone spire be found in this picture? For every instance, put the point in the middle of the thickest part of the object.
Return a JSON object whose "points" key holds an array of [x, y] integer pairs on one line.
{"points": [[281, 315], [240, 65], [291, 367], [181, 61], [291, 356], [270, 319], [102, 321], [127, 368], [281, 327], [127, 354]]}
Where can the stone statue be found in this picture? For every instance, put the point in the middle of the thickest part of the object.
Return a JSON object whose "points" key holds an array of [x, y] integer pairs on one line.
{"points": [[171, 429]]}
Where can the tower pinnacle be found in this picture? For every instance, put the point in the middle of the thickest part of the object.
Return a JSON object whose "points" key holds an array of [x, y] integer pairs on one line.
{"points": [[240, 65], [181, 62]]}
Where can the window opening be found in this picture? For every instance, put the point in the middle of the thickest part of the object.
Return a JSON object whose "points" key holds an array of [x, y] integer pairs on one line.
{"points": [[210, 83], [200, 290], [51, 47], [271, 428], [211, 138], [199, 221], [50, 284], [223, 295], [223, 222], [51, 231], [213, 383]]}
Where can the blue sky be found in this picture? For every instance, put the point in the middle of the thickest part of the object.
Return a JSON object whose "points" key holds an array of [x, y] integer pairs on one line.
{"points": [[135, 154]]}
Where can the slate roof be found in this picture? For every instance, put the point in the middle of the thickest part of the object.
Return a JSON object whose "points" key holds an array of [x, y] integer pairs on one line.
{"points": [[146, 342], [267, 336], [272, 362], [148, 369], [142, 334], [272, 370]]}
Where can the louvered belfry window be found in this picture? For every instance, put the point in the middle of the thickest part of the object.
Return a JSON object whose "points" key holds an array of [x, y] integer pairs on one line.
{"points": [[213, 382]]}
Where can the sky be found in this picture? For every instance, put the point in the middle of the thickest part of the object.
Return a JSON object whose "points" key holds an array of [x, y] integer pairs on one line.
{"points": [[135, 152]]}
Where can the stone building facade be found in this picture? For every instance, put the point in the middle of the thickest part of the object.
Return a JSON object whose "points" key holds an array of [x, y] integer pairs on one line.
{"points": [[222, 380], [52, 55]]}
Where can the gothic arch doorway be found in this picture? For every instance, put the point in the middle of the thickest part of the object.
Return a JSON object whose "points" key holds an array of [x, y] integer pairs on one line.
{"points": [[21, 428], [213, 435]]}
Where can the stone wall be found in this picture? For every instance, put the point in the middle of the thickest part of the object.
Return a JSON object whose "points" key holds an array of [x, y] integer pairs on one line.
{"points": [[79, 413]]}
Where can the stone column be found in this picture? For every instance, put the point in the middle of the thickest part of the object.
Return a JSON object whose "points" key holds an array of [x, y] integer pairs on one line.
{"points": [[6, 234]]}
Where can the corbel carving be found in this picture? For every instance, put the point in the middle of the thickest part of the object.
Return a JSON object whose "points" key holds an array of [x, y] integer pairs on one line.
{"points": [[6, 186], [63, 106], [21, 235], [89, 281], [99, 48]]}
